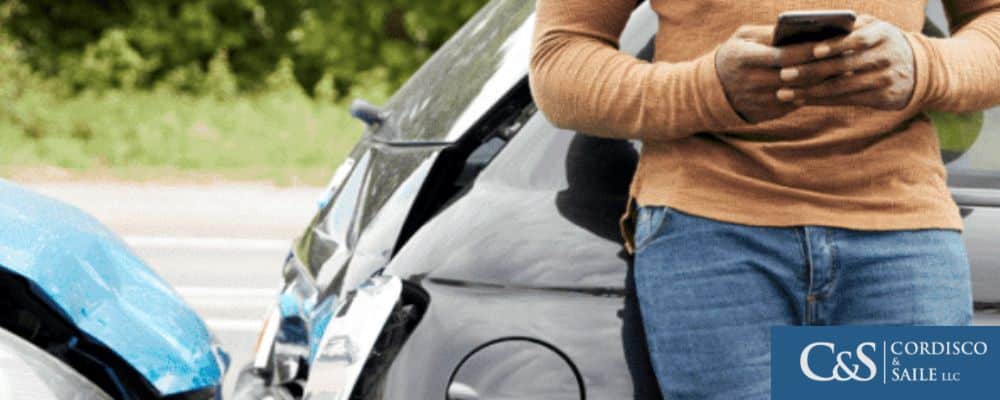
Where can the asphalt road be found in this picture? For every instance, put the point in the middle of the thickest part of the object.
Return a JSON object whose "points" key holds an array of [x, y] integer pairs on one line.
{"points": [[221, 246]]}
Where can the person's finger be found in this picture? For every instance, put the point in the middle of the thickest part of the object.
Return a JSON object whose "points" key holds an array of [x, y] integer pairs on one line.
{"points": [[757, 55], [865, 37], [846, 85], [786, 95], [762, 79], [819, 71], [761, 34], [796, 54]]}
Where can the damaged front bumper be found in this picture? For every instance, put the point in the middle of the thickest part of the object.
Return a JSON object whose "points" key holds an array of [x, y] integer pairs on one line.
{"points": [[339, 358]]}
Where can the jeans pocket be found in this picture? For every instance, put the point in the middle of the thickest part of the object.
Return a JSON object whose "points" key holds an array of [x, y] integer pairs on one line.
{"points": [[650, 223]]}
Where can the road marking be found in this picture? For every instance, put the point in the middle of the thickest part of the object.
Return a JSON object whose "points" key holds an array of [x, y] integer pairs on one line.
{"points": [[213, 243], [202, 291], [241, 325]]}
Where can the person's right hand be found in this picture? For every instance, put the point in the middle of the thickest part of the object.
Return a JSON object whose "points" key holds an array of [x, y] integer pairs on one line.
{"points": [[750, 71]]}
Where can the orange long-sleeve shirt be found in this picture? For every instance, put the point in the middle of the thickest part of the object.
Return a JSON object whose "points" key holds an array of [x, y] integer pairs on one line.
{"points": [[849, 167]]}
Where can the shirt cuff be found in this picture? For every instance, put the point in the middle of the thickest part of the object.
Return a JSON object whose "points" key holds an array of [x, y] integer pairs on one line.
{"points": [[922, 53], [722, 114]]}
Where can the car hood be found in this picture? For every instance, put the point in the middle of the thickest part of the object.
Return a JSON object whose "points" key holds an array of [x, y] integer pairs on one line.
{"points": [[89, 274]]}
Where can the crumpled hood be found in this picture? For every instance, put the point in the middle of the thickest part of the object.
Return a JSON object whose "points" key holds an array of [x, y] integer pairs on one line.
{"points": [[107, 291]]}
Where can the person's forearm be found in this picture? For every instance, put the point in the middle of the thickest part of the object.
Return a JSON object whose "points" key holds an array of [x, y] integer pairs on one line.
{"points": [[961, 73], [581, 81]]}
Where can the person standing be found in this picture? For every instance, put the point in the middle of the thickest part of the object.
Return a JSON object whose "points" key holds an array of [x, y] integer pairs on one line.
{"points": [[800, 185]]}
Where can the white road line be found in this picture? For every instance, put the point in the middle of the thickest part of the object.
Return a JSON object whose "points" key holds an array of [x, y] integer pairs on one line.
{"points": [[202, 291], [241, 325], [228, 305], [212, 243]]}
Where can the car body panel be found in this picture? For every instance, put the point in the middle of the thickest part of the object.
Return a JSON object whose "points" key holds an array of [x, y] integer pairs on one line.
{"points": [[982, 236], [566, 219], [586, 328], [532, 250], [28, 372], [376, 195], [104, 289]]}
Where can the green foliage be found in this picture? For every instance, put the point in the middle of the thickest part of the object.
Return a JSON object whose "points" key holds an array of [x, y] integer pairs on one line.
{"points": [[110, 63], [282, 80], [15, 74], [123, 44], [219, 81], [957, 132], [191, 79], [268, 136], [325, 91], [204, 86]]}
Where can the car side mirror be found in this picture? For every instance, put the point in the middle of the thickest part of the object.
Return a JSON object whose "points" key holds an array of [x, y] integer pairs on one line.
{"points": [[367, 112]]}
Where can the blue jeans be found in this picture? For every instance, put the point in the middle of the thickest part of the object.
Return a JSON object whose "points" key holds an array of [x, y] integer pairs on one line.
{"points": [[710, 291]]}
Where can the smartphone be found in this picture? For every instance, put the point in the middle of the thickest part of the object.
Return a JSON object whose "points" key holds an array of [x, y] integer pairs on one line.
{"points": [[812, 26]]}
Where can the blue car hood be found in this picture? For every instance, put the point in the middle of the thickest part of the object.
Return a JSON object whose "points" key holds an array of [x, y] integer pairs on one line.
{"points": [[107, 291]]}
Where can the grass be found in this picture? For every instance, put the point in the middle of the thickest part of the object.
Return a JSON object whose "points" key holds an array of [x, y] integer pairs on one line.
{"points": [[283, 137]]}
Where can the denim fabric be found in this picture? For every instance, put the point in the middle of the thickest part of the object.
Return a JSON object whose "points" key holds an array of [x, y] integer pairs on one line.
{"points": [[710, 291]]}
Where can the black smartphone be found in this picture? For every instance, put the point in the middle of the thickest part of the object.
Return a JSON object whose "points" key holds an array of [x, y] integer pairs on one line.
{"points": [[812, 26]]}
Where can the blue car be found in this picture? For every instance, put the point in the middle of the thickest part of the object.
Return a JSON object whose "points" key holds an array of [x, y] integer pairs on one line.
{"points": [[82, 317]]}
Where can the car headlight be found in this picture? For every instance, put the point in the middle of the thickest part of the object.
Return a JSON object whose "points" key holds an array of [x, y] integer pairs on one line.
{"points": [[27, 372]]}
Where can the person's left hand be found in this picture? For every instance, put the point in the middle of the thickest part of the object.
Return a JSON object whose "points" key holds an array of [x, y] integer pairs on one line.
{"points": [[873, 66]]}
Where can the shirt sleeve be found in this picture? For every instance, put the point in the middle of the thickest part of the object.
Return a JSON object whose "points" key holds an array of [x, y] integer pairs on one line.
{"points": [[581, 81], [961, 73]]}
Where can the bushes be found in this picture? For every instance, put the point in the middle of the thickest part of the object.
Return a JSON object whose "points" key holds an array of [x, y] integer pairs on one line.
{"points": [[252, 89], [243, 88], [146, 43], [110, 63], [278, 135], [273, 136]]}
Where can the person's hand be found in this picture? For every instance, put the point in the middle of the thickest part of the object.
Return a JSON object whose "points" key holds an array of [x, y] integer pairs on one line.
{"points": [[749, 69], [873, 66]]}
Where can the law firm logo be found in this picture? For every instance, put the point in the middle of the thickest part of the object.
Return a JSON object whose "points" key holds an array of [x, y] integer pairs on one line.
{"points": [[848, 364], [883, 362]]}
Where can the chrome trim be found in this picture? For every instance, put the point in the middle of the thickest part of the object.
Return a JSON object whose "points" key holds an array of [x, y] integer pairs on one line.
{"points": [[350, 337], [265, 342], [461, 391]]}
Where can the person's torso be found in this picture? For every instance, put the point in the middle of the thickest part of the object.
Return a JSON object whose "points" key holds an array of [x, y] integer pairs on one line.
{"points": [[839, 166]]}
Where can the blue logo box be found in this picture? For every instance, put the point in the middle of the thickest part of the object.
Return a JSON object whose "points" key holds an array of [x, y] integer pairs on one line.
{"points": [[869, 362]]}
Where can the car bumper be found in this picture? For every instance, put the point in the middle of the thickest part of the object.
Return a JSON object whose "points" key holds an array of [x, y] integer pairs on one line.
{"points": [[358, 321]]}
